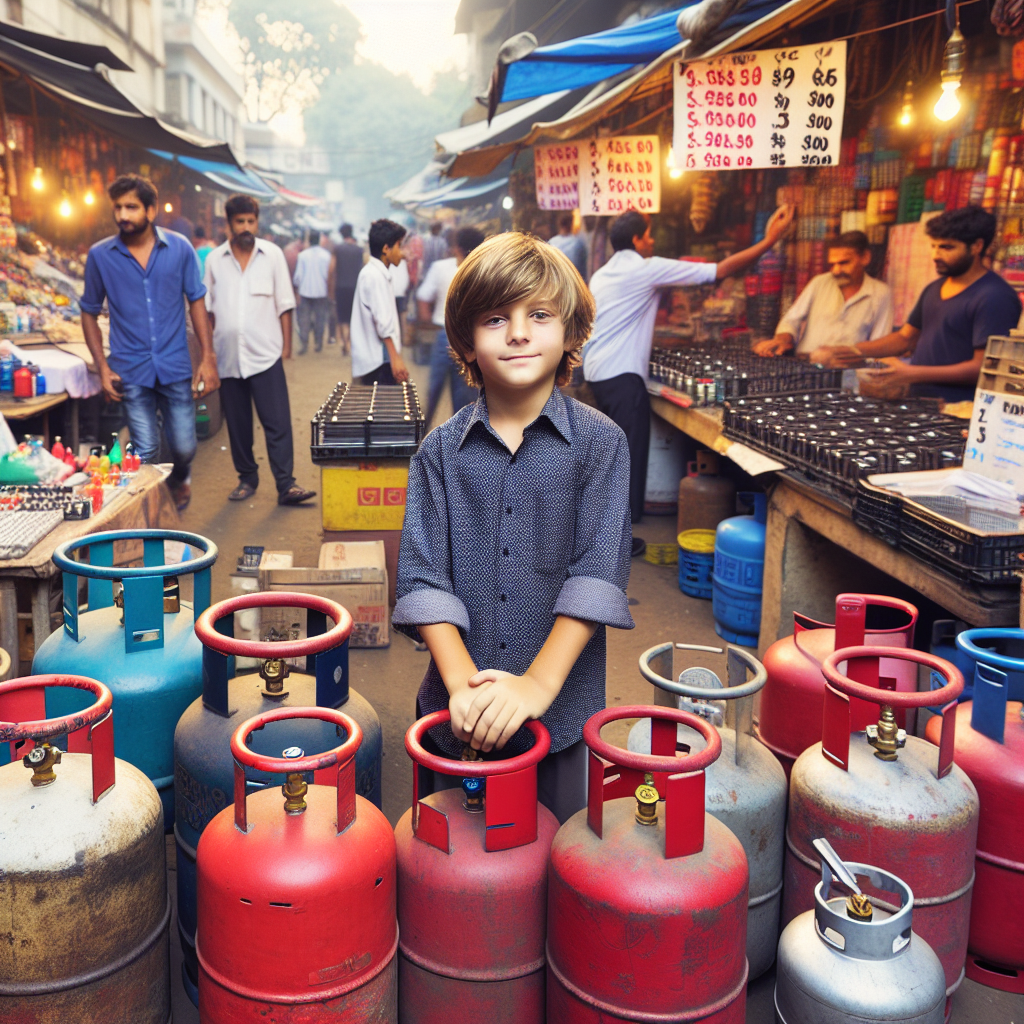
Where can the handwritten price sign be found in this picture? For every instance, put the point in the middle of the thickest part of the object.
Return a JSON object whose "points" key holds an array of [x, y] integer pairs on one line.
{"points": [[766, 108], [620, 174], [557, 171]]}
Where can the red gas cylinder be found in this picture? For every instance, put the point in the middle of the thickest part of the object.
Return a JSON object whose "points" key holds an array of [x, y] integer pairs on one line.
{"points": [[789, 713], [472, 889], [879, 794], [647, 912], [297, 903], [990, 749]]}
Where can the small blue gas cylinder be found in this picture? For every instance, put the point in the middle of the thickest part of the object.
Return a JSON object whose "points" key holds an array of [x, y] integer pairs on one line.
{"points": [[137, 637], [739, 572], [204, 769], [944, 645]]}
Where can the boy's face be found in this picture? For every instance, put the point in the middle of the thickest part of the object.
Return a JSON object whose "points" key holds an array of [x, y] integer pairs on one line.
{"points": [[519, 346]]}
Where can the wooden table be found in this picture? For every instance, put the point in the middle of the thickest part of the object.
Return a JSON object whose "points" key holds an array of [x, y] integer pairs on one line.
{"points": [[147, 503], [814, 551], [14, 409]]}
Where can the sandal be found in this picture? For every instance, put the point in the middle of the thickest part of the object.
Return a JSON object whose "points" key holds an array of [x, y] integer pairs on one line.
{"points": [[241, 492], [295, 496]]}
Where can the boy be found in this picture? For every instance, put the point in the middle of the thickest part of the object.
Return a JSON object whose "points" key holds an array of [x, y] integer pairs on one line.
{"points": [[516, 544]]}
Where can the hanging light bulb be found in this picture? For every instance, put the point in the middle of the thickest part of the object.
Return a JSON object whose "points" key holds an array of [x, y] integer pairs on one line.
{"points": [[89, 198], [507, 203], [674, 170], [907, 109], [953, 56], [65, 208], [168, 208], [37, 180]]}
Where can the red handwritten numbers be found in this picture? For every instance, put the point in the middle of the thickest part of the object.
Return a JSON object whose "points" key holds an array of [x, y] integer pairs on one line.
{"points": [[766, 108], [557, 172]]}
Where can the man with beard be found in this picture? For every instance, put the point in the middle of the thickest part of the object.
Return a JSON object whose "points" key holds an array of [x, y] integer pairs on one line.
{"points": [[250, 299], [842, 307], [946, 333], [142, 273]]}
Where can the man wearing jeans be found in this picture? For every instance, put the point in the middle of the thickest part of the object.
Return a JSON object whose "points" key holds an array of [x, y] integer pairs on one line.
{"points": [[145, 274], [311, 273]]}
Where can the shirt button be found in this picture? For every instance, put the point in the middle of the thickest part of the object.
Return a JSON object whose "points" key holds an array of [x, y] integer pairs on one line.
{"points": [[502, 645], [503, 597], [508, 509], [505, 552]]}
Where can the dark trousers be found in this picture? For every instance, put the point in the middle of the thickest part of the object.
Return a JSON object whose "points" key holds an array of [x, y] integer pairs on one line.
{"points": [[268, 391], [382, 375], [624, 399]]}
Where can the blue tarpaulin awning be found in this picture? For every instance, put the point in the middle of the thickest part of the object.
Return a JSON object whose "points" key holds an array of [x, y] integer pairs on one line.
{"points": [[227, 176]]}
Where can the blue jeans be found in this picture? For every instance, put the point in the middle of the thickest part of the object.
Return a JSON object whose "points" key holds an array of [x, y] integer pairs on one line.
{"points": [[442, 369], [172, 406]]}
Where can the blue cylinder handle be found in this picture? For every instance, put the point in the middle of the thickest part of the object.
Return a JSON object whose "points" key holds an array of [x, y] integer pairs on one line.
{"points": [[143, 585], [998, 678]]}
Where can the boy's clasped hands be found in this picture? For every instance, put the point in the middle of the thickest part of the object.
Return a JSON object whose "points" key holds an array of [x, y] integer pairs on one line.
{"points": [[493, 705]]}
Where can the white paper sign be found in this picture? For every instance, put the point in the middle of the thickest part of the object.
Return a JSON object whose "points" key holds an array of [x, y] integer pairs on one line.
{"points": [[995, 442], [620, 174], [765, 108], [557, 173]]}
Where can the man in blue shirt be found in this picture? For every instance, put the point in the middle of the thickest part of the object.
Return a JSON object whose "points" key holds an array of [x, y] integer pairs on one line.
{"points": [[947, 331], [143, 273]]}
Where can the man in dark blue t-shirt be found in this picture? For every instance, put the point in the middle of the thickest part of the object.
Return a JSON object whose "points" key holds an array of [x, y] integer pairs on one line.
{"points": [[946, 333]]}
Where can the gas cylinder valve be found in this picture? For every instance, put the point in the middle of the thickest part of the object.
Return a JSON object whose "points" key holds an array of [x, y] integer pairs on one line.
{"points": [[474, 795], [647, 801], [41, 760], [273, 672], [858, 907], [885, 737]]}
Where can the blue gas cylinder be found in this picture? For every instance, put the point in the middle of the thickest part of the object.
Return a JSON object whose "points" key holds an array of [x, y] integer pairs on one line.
{"points": [[739, 572], [944, 645], [136, 636], [204, 769]]}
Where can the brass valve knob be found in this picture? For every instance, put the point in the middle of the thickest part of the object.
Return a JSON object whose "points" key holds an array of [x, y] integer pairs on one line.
{"points": [[858, 906], [647, 802], [273, 672], [41, 760], [885, 737], [294, 791]]}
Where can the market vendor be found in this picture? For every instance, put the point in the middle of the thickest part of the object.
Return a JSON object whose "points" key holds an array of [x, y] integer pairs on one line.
{"points": [[947, 331], [617, 357], [841, 307]]}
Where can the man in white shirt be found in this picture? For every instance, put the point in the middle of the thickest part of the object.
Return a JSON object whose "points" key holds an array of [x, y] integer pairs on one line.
{"points": [[311, 273], [617, 357], [250, 301], [430, 299], [376, 335], [839, 308]]}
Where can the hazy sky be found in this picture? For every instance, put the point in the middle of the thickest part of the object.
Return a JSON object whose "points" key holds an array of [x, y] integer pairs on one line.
{"points": [[412, 36]]}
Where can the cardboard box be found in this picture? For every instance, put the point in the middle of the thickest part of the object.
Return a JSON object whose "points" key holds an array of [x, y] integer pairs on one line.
{"points": [[364, 495], [391, 540], [358, 581]]}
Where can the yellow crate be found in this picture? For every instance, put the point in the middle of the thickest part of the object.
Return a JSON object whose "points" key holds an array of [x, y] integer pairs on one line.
{"points": [[364, 495]]}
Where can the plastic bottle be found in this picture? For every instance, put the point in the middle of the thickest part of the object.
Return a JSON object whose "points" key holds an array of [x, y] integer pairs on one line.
{"points": [[58, 449], [92, 464], [40, 383], [23, 382], [6, 373], [104, 467], [116, 458], [94, 490], [70, 460], [114, 479]]}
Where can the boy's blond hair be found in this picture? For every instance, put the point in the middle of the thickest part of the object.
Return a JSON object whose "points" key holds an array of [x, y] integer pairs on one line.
{"points": [[503, 270]]}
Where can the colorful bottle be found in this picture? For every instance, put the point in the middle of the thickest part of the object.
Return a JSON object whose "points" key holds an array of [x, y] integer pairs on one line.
{"points": [[70, 460], [92, 464], [40, 382], [115, 451], [104, 467], [115, 475], [23, 382], [6, 373], [58, 450], [94, 491]]}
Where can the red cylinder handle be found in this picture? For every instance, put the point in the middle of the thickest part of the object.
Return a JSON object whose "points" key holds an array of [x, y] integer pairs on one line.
{"points": [[91, 731], [679, 779], [207, 632], [473, 769], [864, 661], [343, 756], [851, 612], [44, 728]]}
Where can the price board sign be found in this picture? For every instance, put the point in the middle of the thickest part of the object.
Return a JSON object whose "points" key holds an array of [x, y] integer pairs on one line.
{"points": [[557, 172], [765, 108], [620, 174]]}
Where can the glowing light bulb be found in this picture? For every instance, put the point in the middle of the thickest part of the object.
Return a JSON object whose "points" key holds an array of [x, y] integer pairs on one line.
{"points": [[88, 199], [168, 208], [674, 170], [37, 179], [948, 105], [507, 203], [64, 209]]}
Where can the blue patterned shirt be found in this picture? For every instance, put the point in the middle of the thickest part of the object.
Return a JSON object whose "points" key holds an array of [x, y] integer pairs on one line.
{"points": [[499, 544]]}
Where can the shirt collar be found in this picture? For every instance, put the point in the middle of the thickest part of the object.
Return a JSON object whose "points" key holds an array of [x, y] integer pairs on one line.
{"points": [[116, 242], [555, 411]]}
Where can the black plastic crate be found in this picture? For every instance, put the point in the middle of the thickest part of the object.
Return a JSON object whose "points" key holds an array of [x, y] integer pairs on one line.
{"points": [[367, 421], [989, 556]]}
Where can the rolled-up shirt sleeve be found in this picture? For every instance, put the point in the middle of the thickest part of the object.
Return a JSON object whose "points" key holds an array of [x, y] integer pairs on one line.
{"points": [[95, 292], [595, 589], [426, 593]]}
